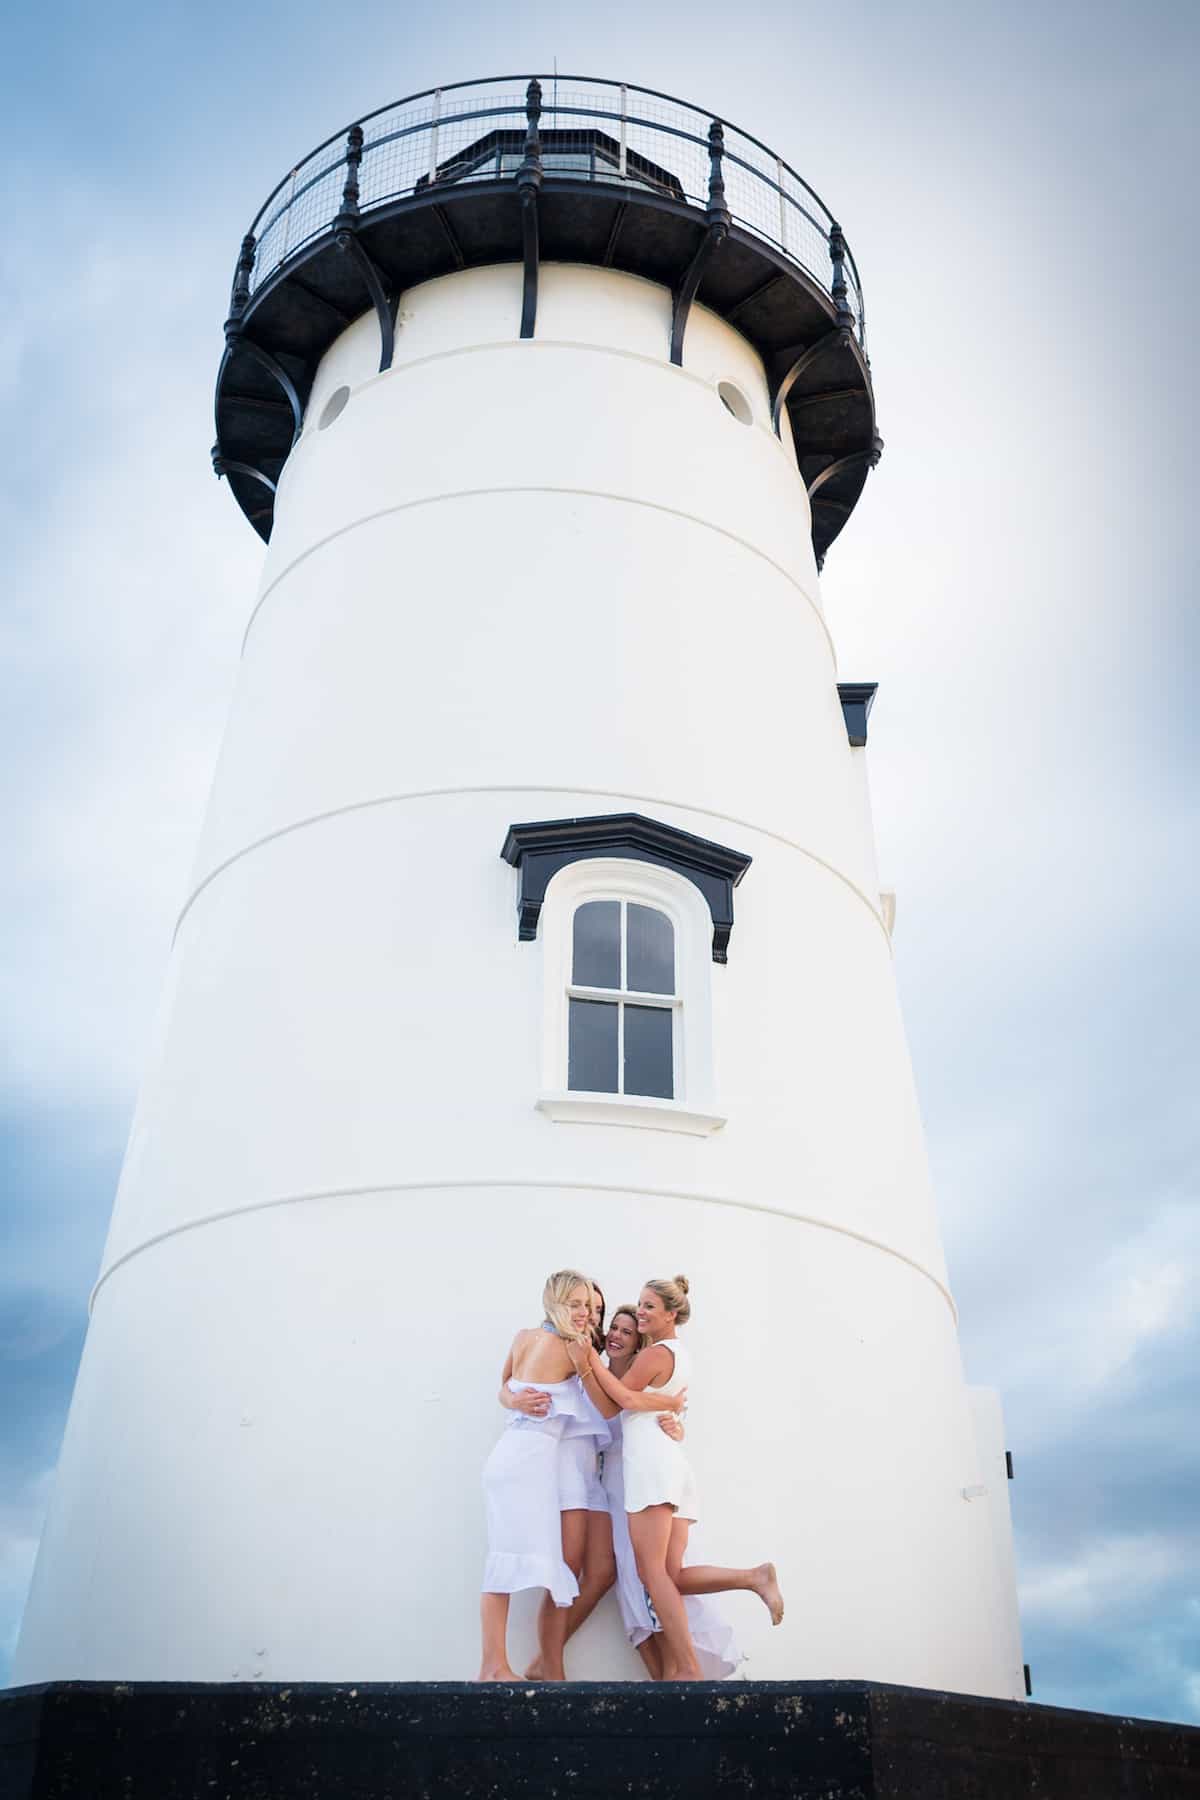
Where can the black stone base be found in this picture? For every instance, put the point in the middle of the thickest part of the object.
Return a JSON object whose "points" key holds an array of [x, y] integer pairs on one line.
{"points": [[807, 1740]]}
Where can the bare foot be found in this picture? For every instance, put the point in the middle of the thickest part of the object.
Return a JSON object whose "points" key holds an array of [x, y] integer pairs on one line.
{"points": [[766, 1586], [534, 1671], [498, 1672]]}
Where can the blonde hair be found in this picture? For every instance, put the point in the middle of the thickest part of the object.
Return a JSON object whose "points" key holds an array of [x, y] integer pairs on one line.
{"points": [[674, 1296], [630, 1312], [555, 1295]]}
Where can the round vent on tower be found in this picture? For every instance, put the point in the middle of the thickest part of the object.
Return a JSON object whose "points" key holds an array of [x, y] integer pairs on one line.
{"points": [[333, 408], [734, 401]]}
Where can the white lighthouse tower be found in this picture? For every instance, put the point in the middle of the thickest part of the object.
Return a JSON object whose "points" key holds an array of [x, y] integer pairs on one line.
{"points": [[535, 923]]}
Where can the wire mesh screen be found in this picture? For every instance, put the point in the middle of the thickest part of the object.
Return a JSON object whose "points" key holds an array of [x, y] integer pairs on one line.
{"points": [[589, 130]]}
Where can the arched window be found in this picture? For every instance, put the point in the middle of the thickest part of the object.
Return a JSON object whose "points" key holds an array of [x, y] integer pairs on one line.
{"points": [[627, 974], [622, 1001]]}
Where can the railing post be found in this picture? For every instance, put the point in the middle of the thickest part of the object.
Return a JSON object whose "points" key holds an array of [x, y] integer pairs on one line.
{"points": [[718, 212], [239, 298], [623, 153], [529, 181], [783, 233], [529, 175], [354, 155], [838, 289]]}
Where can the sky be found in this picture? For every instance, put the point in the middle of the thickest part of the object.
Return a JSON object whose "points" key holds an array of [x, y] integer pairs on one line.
{"points": [[1017, 184]]}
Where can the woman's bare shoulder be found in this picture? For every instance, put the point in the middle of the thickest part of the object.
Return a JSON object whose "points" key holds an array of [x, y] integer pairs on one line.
{"points": [[540, 1356], [653, 1360]]}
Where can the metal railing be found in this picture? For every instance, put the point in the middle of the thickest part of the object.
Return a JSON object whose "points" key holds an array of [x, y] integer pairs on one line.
{"points": [[594, 130]]}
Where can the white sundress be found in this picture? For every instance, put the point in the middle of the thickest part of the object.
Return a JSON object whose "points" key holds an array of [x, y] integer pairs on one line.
{"points": [[583, 1444], [521, 1495], [716, 1647], [657, 1471]]}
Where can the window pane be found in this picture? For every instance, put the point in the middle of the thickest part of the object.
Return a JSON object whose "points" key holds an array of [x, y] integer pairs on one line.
{"points": [[650, 953], [598, 945], [648, 1051], [592, 1047]]}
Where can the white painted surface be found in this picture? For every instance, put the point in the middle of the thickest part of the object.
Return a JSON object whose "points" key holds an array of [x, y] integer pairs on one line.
{"points": [[510, 582], [991, 1440]]}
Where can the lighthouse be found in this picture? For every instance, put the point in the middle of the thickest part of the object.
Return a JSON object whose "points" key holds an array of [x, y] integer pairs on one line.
{"points": [[535, 923]]}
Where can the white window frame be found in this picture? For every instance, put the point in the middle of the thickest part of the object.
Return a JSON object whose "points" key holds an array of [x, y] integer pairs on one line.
{"points": [[693, 1109]]}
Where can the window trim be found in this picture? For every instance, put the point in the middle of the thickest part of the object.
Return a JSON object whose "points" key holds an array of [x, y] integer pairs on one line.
{"points": [[693, 1110], [539, 848]]}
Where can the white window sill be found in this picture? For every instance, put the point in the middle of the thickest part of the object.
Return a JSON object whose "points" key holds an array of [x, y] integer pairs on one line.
{"points": [[619, 1109]]}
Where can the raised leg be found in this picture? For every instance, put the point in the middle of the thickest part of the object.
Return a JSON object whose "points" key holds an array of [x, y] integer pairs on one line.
{"points": [[707, 1578]]}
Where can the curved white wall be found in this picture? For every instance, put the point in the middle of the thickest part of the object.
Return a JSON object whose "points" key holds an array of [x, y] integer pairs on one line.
{"points": [[513, 581]]}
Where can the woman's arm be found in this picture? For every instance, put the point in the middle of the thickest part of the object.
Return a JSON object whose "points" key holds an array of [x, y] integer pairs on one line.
{"points": [[633, 1394], [580, 1354]]}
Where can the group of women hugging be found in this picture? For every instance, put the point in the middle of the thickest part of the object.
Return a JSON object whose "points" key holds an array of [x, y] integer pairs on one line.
{"points": [[590, 1485]]}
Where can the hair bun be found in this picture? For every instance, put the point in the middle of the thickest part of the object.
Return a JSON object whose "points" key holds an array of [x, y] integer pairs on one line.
{"points": [[682, 1281]]}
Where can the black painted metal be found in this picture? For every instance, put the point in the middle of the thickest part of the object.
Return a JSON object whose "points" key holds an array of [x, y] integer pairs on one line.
{"points": [[440, 214], [857, 698], [840, 291], [832, 340], [293, 292], [347, 241], [1029, 1690], [540, 849], [869, 457], [710, 243], [222, 466], [1008, 1464], [529, 181], [354, 151], [276, 371]]}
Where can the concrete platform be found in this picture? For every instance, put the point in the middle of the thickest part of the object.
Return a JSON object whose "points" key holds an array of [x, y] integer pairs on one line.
{"points": [[838, 1740]]}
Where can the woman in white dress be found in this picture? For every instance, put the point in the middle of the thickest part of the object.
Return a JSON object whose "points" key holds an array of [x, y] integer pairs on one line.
{"points": [[587, 1524], [521, 1479], [660, 1491], [716, 1648]]}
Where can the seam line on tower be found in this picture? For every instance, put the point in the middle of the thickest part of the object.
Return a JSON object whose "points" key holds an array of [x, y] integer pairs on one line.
{"points": [[707, 812], [536, 345], [596, 1187], [674, 512]]}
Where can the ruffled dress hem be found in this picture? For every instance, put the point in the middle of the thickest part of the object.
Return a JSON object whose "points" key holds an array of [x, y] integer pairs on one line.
{"points": [[507, 1573]]}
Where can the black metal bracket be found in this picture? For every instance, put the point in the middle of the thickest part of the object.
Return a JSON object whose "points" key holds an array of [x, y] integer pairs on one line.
{"points": [[345, 229], [224, 465], [529, 181], [610, 248], [715, 234], [857, 698], [381, 300], [236, 340], [828, 341], [1008, 1464], [539, 850], [451, 236], [856, 460]]}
